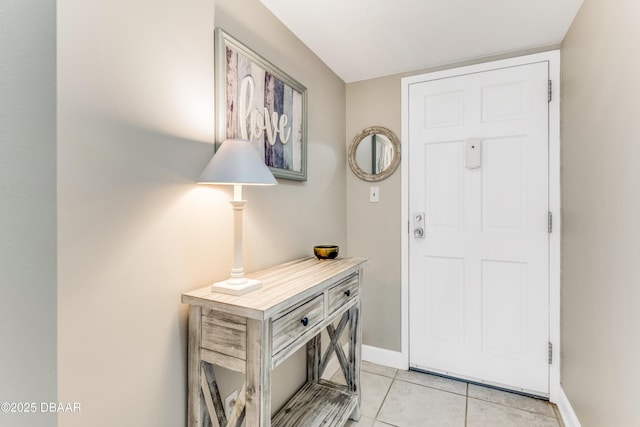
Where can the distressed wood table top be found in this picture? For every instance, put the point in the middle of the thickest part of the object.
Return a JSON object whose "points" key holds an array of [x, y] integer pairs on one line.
{"points": [[296, 279]]}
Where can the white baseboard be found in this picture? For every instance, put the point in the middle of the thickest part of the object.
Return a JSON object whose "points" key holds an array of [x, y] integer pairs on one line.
{"points": [[566, 411], [384, 357]]}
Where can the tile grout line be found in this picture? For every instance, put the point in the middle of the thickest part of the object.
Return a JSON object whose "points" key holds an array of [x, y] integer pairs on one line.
{"points": [[432, 387], [393, 379], [510, 407], [466, 404]]}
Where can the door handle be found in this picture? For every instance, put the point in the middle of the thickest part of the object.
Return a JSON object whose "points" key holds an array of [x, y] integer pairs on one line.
{"points": [[418, 225]]}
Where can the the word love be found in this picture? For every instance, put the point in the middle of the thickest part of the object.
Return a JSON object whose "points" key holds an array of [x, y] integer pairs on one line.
{"points": [[273, 124]]}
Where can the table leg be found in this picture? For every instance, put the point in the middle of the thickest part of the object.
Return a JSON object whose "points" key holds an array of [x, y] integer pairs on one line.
{"points": [[355, 357], [314, 359], [258, 374], [194, 381]]}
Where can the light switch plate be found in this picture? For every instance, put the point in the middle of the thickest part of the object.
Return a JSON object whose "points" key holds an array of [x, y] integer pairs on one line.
{"points": [[374, 194]]}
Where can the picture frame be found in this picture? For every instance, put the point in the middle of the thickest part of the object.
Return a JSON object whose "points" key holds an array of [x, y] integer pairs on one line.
{"points": [[257, 101]]}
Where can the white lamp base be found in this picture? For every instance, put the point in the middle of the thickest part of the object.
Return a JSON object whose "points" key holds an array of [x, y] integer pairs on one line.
{"points": [[232, 287]]}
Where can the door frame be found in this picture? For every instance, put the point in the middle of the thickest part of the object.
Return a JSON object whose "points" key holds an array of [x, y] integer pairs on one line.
{"points": [[553, 59]]}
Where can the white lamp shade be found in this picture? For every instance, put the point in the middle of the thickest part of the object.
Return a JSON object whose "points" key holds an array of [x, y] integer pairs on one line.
{"points": [[237, 162]]}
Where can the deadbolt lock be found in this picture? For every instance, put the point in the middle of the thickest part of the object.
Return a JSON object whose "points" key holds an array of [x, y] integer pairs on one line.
{"points": [[418, 225]]}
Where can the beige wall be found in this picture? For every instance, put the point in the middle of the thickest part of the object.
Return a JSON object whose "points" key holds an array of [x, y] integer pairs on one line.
{"points": [[28, 208], [601, 202], [135, 105], [373, 229]]}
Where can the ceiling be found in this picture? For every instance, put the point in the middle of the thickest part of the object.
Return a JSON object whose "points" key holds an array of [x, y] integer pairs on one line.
{"points": [[363, 39]]}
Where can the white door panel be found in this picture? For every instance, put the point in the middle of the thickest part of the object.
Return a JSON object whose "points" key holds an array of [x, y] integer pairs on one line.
{"points": [[478, 280]]}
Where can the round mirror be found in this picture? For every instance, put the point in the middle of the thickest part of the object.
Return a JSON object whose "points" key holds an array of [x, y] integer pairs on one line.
{"points": [[374, 154]]}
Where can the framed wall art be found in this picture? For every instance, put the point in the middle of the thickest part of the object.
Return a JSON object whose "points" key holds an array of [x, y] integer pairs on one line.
{"points": [[257, 101]]}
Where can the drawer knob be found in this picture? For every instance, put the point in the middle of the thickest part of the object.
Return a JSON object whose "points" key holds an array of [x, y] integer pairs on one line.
{"points": [[348, 292], [305, 321]]}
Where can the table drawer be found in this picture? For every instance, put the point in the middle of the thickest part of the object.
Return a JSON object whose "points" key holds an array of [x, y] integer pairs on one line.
{"points": [[293, 324], [343, 292], [224, 333]]}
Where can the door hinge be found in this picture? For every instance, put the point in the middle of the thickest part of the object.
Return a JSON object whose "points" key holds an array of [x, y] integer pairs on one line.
{"points": [[550, 222], [549, 96], [550, 353]]}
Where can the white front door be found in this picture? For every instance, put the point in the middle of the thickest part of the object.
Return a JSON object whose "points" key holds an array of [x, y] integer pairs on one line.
{"points": [[479, 273]]}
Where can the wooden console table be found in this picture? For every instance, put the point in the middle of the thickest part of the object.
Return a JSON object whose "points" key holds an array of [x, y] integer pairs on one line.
{"points": [[255, 332]]}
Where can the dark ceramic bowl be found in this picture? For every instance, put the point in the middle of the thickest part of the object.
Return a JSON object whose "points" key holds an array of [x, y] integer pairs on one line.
{"points": [[325, 251]]}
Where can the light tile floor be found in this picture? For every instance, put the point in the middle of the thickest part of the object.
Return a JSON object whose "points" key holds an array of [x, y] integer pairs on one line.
{"points": [[392, 397]]}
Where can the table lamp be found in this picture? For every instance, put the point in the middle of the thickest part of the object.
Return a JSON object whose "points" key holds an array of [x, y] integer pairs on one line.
{"points": [[237, 163]]}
